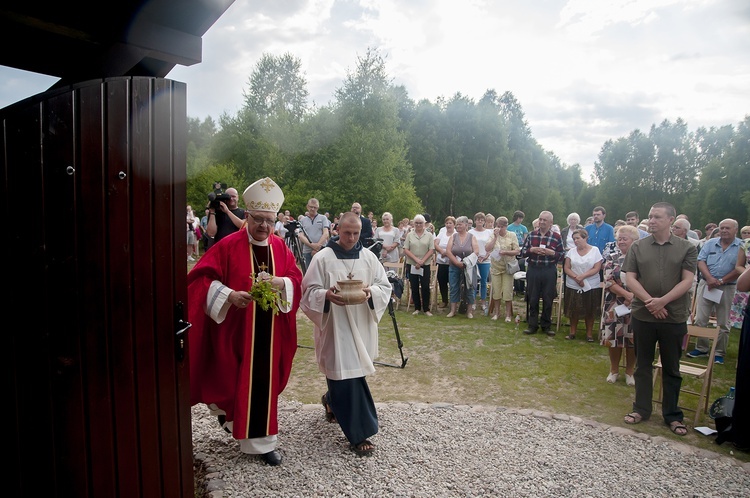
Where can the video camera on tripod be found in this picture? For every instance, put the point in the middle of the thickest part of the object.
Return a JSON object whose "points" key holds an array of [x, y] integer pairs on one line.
{"points": [[374, 244], [291, 227]]}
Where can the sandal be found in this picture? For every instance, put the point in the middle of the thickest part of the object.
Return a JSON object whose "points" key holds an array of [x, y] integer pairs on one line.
{"points": [[633, 418], [365, 448], [570, 337], [330, 417], [678, 428]]}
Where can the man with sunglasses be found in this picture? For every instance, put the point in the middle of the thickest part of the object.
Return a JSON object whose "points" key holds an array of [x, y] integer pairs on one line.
{"points": [[242, 343]]}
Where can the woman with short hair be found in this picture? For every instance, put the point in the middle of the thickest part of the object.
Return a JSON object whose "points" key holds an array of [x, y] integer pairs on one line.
{"points": [[443, 263], [391, 239], [615, 330], [503, 249], [483, 236], [418, 248], [583, 294], [460, 247]]}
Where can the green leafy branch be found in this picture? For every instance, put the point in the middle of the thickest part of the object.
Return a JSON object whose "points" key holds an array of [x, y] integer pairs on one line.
{"points": [[266, 296]]}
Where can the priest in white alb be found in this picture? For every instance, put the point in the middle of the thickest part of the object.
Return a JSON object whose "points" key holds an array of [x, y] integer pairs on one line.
{"points": [[346, 329]]}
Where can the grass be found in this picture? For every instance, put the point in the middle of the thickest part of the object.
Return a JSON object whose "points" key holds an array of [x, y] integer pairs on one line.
{"points": [[484, 362]]}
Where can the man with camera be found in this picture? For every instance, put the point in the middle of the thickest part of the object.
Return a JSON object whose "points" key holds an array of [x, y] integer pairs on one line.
{"points": [[224, 215], [315, 231]]}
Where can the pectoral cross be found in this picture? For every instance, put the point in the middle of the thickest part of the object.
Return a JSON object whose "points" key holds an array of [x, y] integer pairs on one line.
{"points": [[350, 276], [263, 267]]}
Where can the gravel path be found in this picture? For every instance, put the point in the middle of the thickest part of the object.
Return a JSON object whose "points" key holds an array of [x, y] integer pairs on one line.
{"points": [[443, 450]]}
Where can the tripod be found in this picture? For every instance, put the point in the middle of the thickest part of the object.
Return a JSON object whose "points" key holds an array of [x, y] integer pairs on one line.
{"points": [[294, 244], [397, 288]]}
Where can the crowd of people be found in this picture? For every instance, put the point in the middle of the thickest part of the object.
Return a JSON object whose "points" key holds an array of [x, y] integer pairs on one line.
{"points": [[643, 282]]}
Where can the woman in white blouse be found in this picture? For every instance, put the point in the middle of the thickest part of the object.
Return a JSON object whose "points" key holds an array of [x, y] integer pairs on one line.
{"points": [[583, 290], [391, 239], [483, 236]]}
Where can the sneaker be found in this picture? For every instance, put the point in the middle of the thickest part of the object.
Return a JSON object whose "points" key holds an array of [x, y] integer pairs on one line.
{"points": [[719, 360], [450, 315], [415, 313], [427, 313], [190, 258], [612, 378], [507, 319], [696, 353], [469, 315]]}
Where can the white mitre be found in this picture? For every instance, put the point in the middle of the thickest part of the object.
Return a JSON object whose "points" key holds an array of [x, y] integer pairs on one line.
{"points": [[263, 195]]}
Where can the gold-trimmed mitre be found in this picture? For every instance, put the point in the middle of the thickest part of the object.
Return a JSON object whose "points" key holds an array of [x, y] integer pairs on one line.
{"points": [[263, 195]]}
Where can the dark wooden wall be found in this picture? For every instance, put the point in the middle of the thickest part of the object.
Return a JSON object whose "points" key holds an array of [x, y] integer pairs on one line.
{"points": [[93, 190]]}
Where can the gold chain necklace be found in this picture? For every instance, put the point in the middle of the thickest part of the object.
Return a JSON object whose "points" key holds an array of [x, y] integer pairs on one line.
{"points": [[262, 266]]}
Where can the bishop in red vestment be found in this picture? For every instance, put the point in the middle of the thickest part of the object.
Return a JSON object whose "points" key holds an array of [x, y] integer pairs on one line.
{"points": [[241, 355]]}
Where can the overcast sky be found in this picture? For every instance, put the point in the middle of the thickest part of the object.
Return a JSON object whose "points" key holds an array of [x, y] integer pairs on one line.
{"points": [[584, 71]]}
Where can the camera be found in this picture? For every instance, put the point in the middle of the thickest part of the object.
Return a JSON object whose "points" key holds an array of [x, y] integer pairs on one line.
{"points": [[218, 195], [291, 227], [373, 244]]}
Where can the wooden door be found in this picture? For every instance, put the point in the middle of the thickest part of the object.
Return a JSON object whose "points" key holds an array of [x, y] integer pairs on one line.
{"points": [[94, 194]]}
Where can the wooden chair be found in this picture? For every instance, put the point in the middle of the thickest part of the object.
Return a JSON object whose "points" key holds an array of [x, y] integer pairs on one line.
{"points": [[398, 268], [693, 370], [712, 320], [434, 288], [557, 303]]}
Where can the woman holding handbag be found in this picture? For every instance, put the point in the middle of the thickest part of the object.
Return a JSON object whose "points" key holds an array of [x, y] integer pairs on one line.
{"points": [[503, 248]]}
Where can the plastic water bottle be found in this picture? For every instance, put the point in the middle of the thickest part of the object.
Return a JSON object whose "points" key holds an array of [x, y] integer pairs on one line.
{"points": [[730, 394], [518, 320]]}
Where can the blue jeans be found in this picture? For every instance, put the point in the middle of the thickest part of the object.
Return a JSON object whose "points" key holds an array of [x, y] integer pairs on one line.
{"points": [[484, 273], [455, 274]]}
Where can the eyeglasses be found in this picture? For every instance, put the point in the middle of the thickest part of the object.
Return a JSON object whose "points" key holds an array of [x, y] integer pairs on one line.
{"points": [[259, 221]]}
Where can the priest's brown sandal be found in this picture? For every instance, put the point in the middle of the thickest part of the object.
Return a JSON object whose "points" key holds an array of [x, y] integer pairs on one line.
{"points": [[365, 448], [330, 417]]}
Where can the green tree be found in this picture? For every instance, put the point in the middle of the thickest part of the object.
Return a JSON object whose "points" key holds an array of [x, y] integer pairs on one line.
{"points": [[278, 89]]}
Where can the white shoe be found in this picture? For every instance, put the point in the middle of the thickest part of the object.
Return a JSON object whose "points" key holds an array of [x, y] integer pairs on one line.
{"points": [[415, 313], [494, 317], [427, 313], [450, 315], [629, 380], [612, 378], [507, 319], [469, 315], [190, 258]]}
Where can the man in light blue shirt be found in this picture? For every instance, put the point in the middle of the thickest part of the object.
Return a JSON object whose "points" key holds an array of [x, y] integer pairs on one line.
{"points": [[717, 263], [600, 233]]}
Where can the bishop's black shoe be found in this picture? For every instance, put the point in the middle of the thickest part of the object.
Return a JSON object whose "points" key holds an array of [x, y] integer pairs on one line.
{"points": [[222, 423], [272, 458]]}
